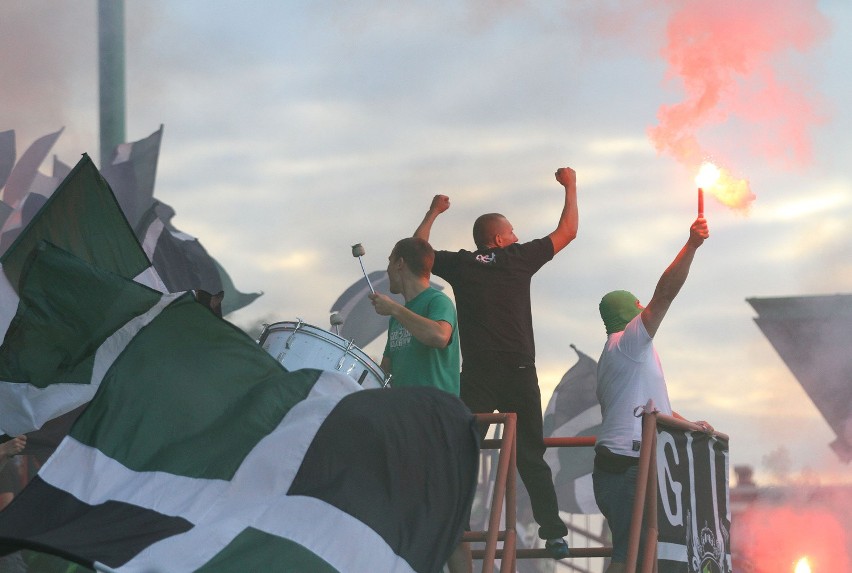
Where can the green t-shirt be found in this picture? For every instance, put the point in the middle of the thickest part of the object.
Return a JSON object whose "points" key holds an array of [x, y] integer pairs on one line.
{"points": [[415, 364]]}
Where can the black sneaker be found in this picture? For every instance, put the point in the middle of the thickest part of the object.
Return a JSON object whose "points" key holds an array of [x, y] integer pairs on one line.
{"points": [[557, 548]]}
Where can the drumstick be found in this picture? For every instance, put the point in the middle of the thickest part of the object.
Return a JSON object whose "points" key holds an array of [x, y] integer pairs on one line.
{"points": [[358, 251]]}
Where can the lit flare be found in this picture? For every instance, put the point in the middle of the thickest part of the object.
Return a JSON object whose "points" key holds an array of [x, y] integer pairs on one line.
{"points": [[802, 566], [732, 192], [707, 176]]}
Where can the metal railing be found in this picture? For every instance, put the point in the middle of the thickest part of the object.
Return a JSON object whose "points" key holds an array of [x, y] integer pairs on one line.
{"points": [[644, 506], [645, 502], [503, 495]]}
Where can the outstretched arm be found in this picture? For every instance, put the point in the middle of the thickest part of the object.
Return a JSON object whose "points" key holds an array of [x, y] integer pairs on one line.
{"points": [[440, 203], [432, 333], [566, 230], [673, 278]]}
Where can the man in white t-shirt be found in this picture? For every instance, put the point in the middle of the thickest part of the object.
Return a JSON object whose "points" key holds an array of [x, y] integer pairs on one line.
{"points": [[630, 374]]}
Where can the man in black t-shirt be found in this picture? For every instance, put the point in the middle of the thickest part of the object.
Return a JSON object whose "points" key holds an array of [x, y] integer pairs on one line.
{"points": [[492, 291]]}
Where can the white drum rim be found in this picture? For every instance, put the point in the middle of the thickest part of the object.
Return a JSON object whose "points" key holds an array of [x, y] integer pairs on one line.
{"points": [[327, 336]]}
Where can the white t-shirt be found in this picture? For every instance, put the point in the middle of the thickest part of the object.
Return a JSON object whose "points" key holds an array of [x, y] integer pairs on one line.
{"points": [[629, 374]]}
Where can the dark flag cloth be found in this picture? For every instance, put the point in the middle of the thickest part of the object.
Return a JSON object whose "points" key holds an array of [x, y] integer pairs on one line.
{"points": [[361, 323], [26, 168], [25, 190], [83, 218], [574, 411], [182, 262], [199, 452], [5, 211], [812, 335], [180, 259], [232, 298], [693, 511], [19, 218], [8, 153], [131, 173], [60, 170]]}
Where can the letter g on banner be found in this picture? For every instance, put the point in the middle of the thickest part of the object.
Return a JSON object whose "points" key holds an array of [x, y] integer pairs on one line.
{"points": [[669, 488]]}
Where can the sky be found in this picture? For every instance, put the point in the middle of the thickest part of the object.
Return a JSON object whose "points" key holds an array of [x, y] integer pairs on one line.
{"points": [[296, 129]]}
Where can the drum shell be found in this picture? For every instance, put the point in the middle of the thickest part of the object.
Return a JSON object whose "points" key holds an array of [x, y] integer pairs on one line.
{"points": [[299, 345]]}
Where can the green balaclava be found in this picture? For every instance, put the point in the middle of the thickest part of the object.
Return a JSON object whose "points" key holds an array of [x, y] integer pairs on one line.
{"points": [[617, 309]]}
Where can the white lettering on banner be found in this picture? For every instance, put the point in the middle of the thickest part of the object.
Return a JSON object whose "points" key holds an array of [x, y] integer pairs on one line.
{"points": [[692, 484], [666, 478]]}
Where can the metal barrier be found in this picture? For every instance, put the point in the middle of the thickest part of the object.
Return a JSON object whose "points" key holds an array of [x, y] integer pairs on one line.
{"points": [[645, 502], [504, 492], [644, 507]]}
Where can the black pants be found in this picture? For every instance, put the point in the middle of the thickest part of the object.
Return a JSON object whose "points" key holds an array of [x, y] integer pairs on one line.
{"points": [[485, 389]]}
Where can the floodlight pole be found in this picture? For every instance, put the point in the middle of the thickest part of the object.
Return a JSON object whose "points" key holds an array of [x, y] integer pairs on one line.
{"points": [[111, 76]]}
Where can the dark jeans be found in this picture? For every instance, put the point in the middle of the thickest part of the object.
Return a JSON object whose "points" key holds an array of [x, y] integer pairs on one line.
{"points": [[614, 494], [515, 389]]}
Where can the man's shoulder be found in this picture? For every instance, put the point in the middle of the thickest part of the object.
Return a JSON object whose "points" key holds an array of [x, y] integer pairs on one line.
{"points": [[544, 245], [633, 342], [532, 254], [430, 294], [440, 298], [452, 254]]}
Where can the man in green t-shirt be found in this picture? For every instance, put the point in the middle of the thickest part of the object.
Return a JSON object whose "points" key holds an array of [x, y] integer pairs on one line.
{"points": [[423, 343], [423, 340]]}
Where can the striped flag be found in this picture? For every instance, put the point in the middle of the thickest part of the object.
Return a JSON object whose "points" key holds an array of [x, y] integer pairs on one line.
{"points": [[574, 410], [25, 189], [18, 218], [24, 172], [199, 452], [83, 218], [181, 260], [132, 172]]}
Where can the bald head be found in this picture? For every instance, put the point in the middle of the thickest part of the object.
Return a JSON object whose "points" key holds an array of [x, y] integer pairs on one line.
{"points": [[492, 229]]}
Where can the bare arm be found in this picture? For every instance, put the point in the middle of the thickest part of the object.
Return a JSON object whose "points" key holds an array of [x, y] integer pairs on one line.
{"points": [[432, 333], [12, 448], [673, 278], [566, 230], [440, 203]]}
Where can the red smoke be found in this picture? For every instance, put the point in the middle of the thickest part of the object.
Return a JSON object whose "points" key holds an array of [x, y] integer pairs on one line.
{"points": [[731, 57], [772, 539]]}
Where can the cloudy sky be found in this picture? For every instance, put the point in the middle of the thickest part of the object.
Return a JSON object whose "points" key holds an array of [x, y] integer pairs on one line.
{"points": [[295, 129]]}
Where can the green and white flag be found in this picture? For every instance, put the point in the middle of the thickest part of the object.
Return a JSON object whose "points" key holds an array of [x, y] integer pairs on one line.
{"points": [[83, 218], [200, 452]]}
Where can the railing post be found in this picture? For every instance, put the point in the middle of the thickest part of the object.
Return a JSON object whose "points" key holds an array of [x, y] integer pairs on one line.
{"points": [[649, 430], [510, 540], [504, 477], [649, 549]]}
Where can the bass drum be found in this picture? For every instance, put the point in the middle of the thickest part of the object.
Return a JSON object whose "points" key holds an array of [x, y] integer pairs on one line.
{"points": [[299, 345]]}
